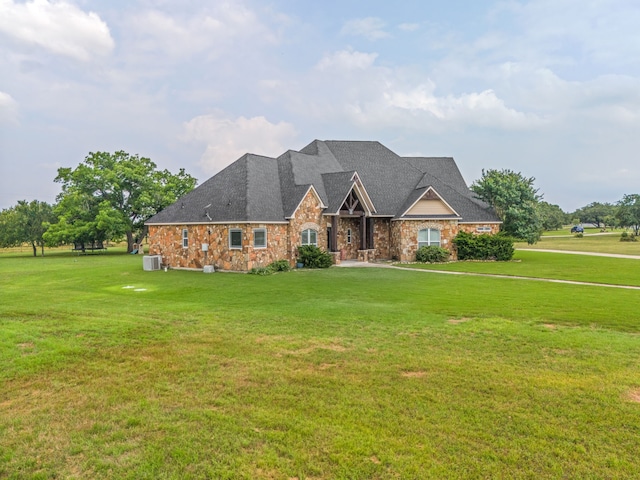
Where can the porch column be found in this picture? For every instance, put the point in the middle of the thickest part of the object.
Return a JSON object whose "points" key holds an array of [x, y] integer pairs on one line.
{"points": [[370, 244], [363, 232]]}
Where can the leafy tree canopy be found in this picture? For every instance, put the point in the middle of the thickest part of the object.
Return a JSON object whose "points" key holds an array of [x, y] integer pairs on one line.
{"points": [[111, 195], [26, 222], [595, 213], [628, 212], [551, 216], [514, 199]]}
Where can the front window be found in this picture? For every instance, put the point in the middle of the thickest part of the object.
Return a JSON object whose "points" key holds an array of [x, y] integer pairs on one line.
{"points": [[185, 238], [349, 236], [309, 237], [260, 238], [428, 236], [235, 239]]}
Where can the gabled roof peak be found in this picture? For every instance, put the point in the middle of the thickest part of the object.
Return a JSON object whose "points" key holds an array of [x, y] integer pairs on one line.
{"points": [[270, 189]]}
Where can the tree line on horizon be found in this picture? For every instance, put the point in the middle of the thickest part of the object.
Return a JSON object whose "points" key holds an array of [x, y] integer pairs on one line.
{"points": [[109, 196], [525, 215]]}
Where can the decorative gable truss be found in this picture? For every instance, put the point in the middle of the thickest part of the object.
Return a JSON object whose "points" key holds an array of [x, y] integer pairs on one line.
{"points": [[357, 200]]}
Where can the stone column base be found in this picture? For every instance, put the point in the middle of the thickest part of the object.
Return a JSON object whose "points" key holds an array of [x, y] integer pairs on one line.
{"points": [[366, 255]]}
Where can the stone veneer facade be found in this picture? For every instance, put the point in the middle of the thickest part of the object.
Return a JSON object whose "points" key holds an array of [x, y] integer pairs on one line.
{"points": [[348, 250], [307, 216], [382, 238], [473, 227], [404, 235], [166, 240], [397, 239]]}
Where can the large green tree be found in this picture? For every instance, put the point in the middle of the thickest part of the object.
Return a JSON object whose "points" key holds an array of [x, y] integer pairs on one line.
{"points": [[628, 212], [514, 199], [595, 213], [551, 216], [110, 195], [25, 222]]}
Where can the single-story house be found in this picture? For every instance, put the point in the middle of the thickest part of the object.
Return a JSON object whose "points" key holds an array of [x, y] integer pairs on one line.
{"points": [[356, 199]]}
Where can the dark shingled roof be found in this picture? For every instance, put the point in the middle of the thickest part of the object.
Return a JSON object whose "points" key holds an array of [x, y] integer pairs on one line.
{"points": [[263, 189], [337, 185]]}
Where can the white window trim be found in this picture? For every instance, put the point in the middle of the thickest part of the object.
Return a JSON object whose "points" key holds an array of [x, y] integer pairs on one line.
{"points": [[430, 242], [185, 238], [254, 238], [231, 246], [308, 237], [348, 236]]}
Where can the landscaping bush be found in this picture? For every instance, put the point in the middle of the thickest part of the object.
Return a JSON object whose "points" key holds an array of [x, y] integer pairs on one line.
{"points": [[579, 235], [484, 247], [625, 237], [432, 254], [261, 271], [280, 266], [312, 257], [273, 267]]}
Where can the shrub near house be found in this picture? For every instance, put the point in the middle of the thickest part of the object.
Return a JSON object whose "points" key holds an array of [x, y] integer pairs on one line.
{"points": [[483, 247], [312, 257], [432, 254]]}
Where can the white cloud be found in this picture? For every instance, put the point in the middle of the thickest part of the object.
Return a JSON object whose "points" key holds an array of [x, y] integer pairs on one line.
{"points": [[59, 27], [478, 108], [227, 139], [8, 109], [573, 31], [212, 31], [370, 27], [347, 60], [409, 27], [353, 87]]}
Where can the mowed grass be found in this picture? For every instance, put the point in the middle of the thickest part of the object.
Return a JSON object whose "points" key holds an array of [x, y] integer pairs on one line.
{"points": [[605, 243], [560, 266], [341, 373]]}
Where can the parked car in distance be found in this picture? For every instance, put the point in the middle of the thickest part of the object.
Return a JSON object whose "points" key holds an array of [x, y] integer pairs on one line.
{"points": [[577, 229]]}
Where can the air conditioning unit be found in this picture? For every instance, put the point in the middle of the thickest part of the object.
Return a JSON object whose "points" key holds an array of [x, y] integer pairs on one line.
{"points": [[151, 262]]}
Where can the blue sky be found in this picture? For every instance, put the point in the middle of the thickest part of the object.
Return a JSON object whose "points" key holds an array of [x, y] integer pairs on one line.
{"points": [[548, 88]]}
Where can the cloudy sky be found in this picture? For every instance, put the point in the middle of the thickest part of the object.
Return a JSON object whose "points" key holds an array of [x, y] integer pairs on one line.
{"points": [[550, 88]]}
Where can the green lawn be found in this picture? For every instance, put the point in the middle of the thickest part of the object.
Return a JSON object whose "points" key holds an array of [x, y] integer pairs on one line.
{"points": [[609, 243], [529, 263], [341, 373]]}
